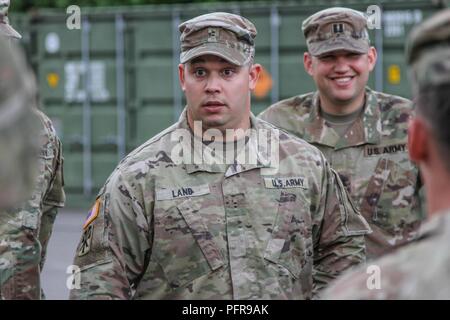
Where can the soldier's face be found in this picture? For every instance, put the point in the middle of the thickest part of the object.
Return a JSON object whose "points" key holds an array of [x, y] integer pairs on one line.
{"points": [[341, 76], [218, 92]]}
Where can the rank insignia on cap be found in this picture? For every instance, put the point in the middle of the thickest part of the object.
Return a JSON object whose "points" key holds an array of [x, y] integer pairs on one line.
{"points": [[338, 27], [212, 34], [93, 214]]}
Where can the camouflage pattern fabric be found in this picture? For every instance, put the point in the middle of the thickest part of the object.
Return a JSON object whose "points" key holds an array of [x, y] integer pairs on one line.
{"points": [[371, 159], [419, 270], [26, 229], [161, 230]]}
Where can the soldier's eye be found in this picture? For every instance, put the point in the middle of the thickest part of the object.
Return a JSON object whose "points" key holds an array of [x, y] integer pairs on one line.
{"points": [[228, 72], [199, 72]]}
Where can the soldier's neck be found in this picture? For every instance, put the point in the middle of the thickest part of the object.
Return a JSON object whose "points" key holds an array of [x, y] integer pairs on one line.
{"points": [[341, 108]]}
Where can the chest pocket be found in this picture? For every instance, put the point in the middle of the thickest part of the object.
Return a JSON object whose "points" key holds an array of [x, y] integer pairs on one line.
{"points": [[290, 244], [186, 249], [390, 196]]}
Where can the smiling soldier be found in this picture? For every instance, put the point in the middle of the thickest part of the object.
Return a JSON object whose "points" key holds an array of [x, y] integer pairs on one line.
{"points": [[361, 132]]}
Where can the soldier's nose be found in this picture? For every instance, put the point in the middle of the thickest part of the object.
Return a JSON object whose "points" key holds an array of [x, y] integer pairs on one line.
{"points": [[212, 84]]}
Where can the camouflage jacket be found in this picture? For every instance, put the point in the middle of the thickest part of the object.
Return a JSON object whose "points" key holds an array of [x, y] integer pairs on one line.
{"points": [[26, 229], [419, 270], [371, 160], [161, 230]]}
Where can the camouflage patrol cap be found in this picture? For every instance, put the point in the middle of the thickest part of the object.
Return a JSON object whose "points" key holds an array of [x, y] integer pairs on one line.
{"points": [[336, 29], [223, 34], [18, 126], [5, 28], [428, 51]]}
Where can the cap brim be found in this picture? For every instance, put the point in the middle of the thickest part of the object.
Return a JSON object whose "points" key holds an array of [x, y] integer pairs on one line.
{"points": [[217, 49], [8, 31], [342, 43]]}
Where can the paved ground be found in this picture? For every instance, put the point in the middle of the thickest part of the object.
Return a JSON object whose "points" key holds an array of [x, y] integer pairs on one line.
{"points": [[61, 250]]}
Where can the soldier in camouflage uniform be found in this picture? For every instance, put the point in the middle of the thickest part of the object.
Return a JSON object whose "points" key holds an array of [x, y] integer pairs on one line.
{"points": [[420, 270], [25, 228], [361, 132], [177, 220]]}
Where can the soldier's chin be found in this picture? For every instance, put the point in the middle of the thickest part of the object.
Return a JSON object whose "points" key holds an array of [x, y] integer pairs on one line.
{"points": [[213, 123], [344, 98]]}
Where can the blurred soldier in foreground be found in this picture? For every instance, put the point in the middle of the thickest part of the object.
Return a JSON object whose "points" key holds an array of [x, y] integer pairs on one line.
{"points": [[180, 219], [420, 270], [25, 228], [18, 128], [361, 132]]}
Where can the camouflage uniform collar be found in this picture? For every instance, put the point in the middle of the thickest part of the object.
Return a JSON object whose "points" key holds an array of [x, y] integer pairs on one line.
{"points": [[363, 130], [198, 148]]}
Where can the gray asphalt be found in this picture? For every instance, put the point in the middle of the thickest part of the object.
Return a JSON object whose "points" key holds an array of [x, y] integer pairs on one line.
{"points": [[60, 253]]}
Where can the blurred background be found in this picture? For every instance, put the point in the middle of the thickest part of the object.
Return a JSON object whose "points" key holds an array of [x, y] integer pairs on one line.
{"points": [[108, 79]]}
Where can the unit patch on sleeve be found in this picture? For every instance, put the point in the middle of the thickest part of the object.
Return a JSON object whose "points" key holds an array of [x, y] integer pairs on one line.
{"points": [[86, 239]]}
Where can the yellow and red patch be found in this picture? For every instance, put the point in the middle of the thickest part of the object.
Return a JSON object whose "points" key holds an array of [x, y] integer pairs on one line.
{"points": [[93, 214]]}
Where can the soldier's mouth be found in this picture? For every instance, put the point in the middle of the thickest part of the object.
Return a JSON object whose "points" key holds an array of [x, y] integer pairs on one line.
{"points": [[342, 81], [213, 106]]}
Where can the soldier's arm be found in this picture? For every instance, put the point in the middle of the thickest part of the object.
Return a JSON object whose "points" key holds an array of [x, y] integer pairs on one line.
{"points": [[338, 232], [53, 199], [19, 255], [115, 244], [21, 249]]}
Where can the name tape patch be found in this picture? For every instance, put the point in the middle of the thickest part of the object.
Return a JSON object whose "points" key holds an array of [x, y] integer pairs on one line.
{"points": [[370, 151], [182, 192], [286, 182]]}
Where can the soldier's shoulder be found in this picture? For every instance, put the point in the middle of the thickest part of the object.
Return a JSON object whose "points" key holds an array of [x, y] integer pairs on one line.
{"points": [[300, 104], [393, 103], [47, 125], [148, 156], [290, 114], [395, 113], [400, 274], [290, 143]]}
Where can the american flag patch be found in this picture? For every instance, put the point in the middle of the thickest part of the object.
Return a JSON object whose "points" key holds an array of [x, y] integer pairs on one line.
{"points": [[93, 214]]}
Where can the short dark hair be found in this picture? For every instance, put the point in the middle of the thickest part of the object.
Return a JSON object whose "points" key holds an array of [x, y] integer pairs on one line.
{"points": [[433, 104]]}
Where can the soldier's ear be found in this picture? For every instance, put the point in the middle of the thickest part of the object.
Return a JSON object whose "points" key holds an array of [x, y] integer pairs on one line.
{"points": [[372, 55], [307, 63], [254, 72], [418, 137], [181, 74]]}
